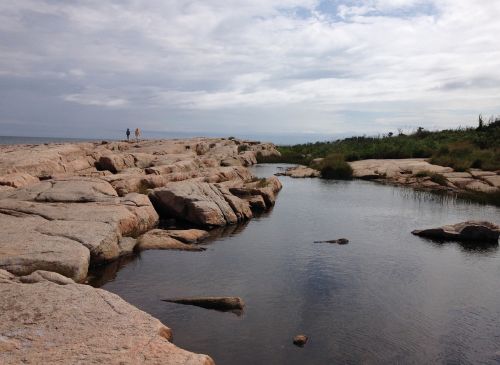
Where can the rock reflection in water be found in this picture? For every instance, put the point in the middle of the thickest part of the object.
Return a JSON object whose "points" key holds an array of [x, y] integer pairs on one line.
{"points": [[388, 297], [102, 274]]}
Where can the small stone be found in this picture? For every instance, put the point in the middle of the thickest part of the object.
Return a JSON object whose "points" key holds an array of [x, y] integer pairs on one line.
{"points": [[300, 340]]}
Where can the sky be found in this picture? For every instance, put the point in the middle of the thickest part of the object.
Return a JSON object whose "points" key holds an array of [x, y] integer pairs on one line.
{"points": [[291, 70]]}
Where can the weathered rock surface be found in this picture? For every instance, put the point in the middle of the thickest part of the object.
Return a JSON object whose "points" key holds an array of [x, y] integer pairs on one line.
{"points": [[415, 172], [84, 221], [199, 203], [25, 248], [69, 190], [218, 303], [300, 172], [66, 206], [18, 179], [188, 235], [389, 168], [159, 239], [266, 188], [84, 214], [47, 319], [466, 231], [493, 180]]}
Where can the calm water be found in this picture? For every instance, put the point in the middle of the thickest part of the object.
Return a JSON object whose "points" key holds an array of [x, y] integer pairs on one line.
{"points": [[386, 297]]}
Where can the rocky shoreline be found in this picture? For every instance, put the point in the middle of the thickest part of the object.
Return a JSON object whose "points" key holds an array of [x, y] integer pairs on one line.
{"points": [[416, 173], [66, 207]]}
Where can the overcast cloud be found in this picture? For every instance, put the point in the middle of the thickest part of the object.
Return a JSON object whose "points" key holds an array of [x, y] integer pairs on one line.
{"points": [[328, 67]]}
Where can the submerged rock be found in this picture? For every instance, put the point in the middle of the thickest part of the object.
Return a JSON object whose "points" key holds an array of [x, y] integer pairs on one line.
{"points": [[300, 340], [218, 303], [465, 231]]}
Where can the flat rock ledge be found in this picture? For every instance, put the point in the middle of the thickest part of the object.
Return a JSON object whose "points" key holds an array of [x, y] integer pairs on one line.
{"points": [[300, 171], [416, 173], [46, 318], [473, 231], [159, 239], [420, 174]]}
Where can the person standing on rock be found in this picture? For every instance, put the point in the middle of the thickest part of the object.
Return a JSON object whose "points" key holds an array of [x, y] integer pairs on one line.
{"points": [[137, 134], [128, 134]]}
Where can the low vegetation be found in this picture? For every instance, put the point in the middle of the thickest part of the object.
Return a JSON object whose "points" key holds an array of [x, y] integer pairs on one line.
{"points": [[434, 177], [334, 167], [461, 148]]}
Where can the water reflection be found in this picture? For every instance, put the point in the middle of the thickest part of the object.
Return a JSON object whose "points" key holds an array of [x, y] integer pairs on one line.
{"points": [[102, 274], [470, 247], [386, 297]]}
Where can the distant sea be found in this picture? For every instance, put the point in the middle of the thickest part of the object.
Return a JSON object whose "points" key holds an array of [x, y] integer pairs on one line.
{"points": [[39, 140], [279, 139]]}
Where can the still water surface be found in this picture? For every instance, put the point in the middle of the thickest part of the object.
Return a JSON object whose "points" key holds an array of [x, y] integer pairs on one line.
{"points": [[386, 297]]}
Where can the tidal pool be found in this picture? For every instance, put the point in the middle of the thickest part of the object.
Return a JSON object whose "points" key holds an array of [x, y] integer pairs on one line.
{"points": [[386, 297]]}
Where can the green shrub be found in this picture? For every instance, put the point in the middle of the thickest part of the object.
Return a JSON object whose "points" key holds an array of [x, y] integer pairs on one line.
{"points": [[460, 148], [439, 179], [335, 167], [422, 174]]}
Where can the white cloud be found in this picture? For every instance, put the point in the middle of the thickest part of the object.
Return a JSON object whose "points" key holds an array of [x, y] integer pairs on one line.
{"points": [[202, 59], [95, 100]]}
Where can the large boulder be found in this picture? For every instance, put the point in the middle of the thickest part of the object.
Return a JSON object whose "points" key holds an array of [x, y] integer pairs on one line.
{"points": [[25, 246], [199, 203], [267, 188], [466, 231], [115, 162], [47, 319]]}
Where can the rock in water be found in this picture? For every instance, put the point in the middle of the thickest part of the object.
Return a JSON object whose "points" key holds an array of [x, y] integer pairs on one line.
{"points": [[159, 239], [340, 241], [301, 172], [218, 303], [188, 235], [466, 231], [300, 340]]}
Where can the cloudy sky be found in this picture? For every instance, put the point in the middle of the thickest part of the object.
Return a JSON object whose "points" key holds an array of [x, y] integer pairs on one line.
{"points": [[301, 68]]}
